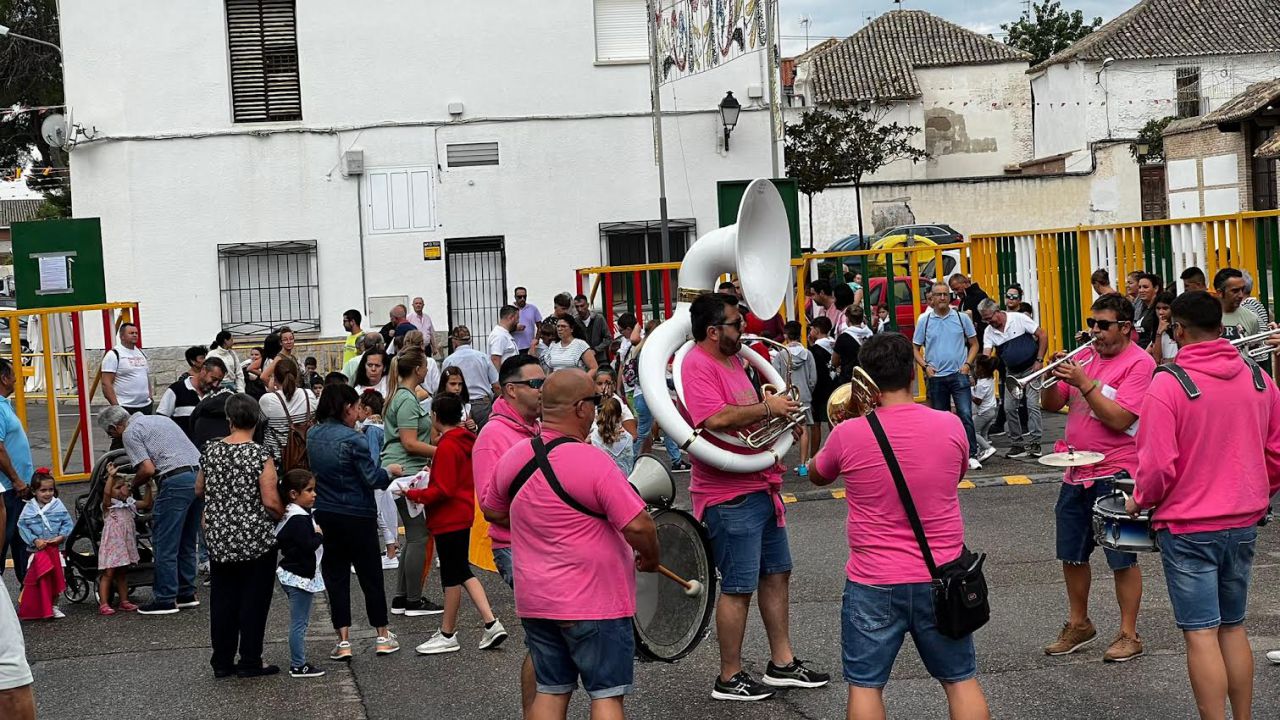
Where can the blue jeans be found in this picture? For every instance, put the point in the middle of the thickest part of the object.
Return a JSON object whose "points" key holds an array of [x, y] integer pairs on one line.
{"points": [[874, 620], [174, 520], [955, 387], [502, 559], [299, 618], [747, 542], [601, 652], [1208, 575], [13, 544], [1074, 518], [644, 425]]}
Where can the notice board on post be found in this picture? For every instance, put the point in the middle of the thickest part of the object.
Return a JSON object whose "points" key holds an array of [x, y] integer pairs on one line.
{"points": [[58, 263], [729, 196]]}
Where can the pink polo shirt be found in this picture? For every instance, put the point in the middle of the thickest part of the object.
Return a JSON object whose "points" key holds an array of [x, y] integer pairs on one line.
{"points": [[709, 386], [933, 452], [1125, 379], [569, 566], [504, 430]]}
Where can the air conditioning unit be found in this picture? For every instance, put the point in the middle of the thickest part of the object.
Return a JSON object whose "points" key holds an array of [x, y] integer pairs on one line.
{"points": [[352, 163]]}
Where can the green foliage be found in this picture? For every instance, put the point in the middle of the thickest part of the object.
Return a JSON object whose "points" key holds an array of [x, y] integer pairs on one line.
{"points": [[1151, 135], [845, 144], [30, 76], [1048, 29]]}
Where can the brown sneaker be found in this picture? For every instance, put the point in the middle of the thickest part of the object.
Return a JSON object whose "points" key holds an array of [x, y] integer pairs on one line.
{"points": [[1072, 639], [1123, 649]]}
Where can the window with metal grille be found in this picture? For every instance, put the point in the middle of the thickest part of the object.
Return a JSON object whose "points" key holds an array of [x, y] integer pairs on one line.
{"points": [[1187, 83], [471, 154], [266, 285], [621, 33], [262, 42], [640, 243], [1265, 195]]}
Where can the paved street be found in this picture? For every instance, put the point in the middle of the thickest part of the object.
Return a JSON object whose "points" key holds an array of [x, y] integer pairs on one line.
{"points": [[157, 667]]}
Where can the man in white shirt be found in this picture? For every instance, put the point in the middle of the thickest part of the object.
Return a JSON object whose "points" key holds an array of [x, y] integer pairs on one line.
{"points": [[477, 370], [421, 320], [1016, 339], [502, 344], [125, 376]]}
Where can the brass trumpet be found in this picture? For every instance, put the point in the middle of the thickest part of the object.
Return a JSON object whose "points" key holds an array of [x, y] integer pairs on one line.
{"points": [[1036, 379], [1260, 353], [853, 399]]}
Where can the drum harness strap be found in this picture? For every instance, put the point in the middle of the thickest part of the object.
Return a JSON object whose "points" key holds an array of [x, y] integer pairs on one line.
{"points": [[1189, 386], [541, 461]]}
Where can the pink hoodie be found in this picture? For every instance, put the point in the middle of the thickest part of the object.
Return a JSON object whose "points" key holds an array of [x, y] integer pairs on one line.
{"points": [[504, 429], [1214, 462]]}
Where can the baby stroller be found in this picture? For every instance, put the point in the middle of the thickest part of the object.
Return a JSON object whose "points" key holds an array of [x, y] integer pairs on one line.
{"points": [[81, 548]]}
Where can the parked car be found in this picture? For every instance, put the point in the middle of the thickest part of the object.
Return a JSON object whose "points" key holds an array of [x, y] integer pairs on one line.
{"points": [[6, 341], [904, 310], [938, 232]]}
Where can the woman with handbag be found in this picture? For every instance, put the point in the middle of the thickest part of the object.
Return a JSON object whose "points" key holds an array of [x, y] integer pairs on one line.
{"points": [[909, 571]]}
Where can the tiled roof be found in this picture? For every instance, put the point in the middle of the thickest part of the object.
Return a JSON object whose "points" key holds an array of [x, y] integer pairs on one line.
{"points": [[1269, 149], [1181, 28], [878, 62], [1256, 97], [12, 211]]}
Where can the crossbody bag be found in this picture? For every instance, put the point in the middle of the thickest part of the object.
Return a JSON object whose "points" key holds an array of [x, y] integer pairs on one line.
{"points": [[960, 602]]}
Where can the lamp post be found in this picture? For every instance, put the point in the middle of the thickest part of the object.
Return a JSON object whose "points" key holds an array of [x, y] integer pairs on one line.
{"points": [[729, 109], [5, 32]]}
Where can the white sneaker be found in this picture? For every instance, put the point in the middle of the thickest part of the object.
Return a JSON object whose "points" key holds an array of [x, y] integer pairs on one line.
{"points": [[1274, 656], [493, 636], [439, 644], [57, 613], [987, 453], [974, 464], [390, 563]]}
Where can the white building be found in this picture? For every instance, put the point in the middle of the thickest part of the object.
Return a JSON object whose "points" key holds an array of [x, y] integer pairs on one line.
{"points": [[967, 93], [228, 138]]}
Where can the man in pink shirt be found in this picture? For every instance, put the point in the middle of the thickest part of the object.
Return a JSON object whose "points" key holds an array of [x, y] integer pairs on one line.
{"points": [[825, 300], [743, 511], [421, 320], [1208, 463], [1104, 400], [888, 591], [574, 539], [514, 419]]}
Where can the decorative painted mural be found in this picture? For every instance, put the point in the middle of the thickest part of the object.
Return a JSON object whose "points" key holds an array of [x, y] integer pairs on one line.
{"points": [[698, 35]]}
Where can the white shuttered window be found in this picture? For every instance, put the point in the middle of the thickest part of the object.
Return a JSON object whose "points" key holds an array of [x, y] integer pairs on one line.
{"points": [[400, 200], [621, 33], [262, 42]]}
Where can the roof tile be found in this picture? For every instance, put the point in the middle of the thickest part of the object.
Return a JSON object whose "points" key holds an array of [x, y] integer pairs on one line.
{"points": [[12, 211]]}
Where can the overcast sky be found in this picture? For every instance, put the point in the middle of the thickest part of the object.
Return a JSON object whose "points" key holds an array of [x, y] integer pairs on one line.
{"points": [[842, 18]]}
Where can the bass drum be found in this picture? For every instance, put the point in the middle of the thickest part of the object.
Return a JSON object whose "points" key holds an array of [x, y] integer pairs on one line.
{"points": [[668, 623]]}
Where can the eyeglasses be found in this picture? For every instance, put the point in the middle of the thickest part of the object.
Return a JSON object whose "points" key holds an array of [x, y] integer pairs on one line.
{"points": [[535, 383], [593, 399], [1103, 325], [736, 324], [521, 297]]}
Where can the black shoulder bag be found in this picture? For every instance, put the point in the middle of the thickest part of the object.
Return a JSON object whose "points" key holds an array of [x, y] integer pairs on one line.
{"points": [[960, 603]]}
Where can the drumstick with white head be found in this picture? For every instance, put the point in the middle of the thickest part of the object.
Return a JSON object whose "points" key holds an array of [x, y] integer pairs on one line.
{"points": [[692, 588]]}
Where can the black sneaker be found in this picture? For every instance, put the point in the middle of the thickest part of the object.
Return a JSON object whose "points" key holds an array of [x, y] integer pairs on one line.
{"points": [[1033, 451], [158, 608], [1017, 451], [420, 608], [741, 687], [679, 466], [188, 601], [794, 674], [262, 671], [306, 671], [397, 605]]}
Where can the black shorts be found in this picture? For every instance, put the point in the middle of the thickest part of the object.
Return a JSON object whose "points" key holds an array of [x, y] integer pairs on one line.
{"points": [[454, 549]]}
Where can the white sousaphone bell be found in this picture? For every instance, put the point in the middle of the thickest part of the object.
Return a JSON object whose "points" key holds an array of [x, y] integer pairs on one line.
{"points": [[758, 249]]}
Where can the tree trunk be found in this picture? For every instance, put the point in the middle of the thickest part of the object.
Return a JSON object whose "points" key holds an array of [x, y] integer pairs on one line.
{"points": [[857, 195], [810, 196]]}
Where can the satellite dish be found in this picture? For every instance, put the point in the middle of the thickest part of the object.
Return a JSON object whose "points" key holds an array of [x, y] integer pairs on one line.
{"points": [[54, 130]]}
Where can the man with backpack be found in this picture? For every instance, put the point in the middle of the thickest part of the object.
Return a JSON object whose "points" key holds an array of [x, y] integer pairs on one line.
{"points": [[1021, 343], [126, 378]]}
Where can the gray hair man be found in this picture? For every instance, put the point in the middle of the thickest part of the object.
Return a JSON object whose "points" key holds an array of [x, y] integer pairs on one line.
{"points": [[1017, 340], [945, 345], [159, 450]]}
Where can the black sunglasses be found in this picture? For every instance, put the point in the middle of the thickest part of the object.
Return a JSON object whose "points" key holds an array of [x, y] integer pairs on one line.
{"points": [[521, 297], [593, 399], [535, 383], [1103, 325], [736, 324]]}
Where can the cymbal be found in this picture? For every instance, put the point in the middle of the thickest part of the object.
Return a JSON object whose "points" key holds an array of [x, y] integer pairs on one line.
{"points": [[1072, 458]]}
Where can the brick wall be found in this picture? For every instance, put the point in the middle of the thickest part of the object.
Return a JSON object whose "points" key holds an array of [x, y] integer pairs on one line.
{"points": [[1207, 142]]}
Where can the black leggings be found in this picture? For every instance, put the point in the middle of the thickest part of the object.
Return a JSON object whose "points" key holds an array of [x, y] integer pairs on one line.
{"points": [[351, 540], [454, 549], [239, 599]]}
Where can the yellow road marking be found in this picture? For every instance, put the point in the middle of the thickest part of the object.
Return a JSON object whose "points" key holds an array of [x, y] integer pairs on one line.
{"points": [[788, 498], [966, 485], [837, 494], [1017, 480]]}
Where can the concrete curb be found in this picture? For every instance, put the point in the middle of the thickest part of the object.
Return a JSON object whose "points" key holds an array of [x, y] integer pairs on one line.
{"points": [[968, 483]]}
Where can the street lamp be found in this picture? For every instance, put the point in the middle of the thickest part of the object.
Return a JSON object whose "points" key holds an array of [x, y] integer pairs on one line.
{"points": [[4, 31], [729, 109]]}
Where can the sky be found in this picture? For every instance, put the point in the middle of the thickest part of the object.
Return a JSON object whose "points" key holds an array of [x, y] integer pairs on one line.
{"points": [[842, 18]]}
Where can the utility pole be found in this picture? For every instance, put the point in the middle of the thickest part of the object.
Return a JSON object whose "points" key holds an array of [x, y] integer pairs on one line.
{"points": [[655, 100], [770, 22]]}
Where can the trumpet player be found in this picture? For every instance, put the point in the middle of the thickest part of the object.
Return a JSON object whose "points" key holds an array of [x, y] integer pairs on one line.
{"points": [[1104, 405]]}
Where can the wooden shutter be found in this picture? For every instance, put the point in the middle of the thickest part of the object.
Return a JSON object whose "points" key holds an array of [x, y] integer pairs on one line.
{"points": [[262, 41], [621, 33]]}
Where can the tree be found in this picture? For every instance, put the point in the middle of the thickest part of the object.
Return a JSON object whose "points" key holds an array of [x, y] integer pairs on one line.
{"points": [[31, 77], [1048, 29], [1149, 149], [812, 151]]}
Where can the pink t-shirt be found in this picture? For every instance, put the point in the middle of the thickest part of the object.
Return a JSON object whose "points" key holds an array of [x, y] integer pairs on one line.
{"points": [[933, 453], [709, 386], [504, 429], [1125, 379], [569, 566]]}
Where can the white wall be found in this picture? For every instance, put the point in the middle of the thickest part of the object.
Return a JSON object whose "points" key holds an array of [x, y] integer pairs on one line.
{"points": [[585, 157], [1077, 103]]}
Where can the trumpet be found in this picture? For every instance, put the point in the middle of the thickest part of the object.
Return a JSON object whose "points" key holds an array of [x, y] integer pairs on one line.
{"points": [[766, 434], [1036, 380], [1260, 353]]}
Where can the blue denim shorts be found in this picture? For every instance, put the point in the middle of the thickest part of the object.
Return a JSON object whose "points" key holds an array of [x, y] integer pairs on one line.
{"points": [[601, 652], [502, 558], [747, 542], [1074, 513], [875, 618], [1208, 575]]}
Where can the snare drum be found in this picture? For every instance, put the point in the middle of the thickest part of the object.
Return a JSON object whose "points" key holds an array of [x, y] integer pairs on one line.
{"points": [[1116, 529]]}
